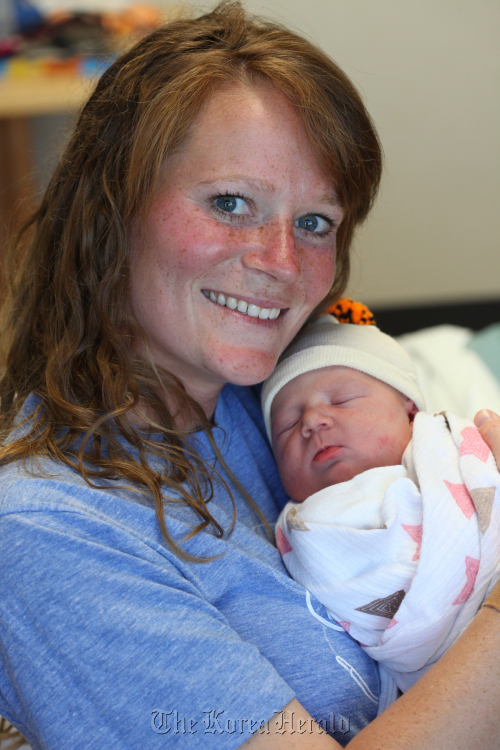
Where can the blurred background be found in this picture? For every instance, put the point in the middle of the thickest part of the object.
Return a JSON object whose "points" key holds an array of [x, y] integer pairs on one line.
{"points": [[428, 70]]}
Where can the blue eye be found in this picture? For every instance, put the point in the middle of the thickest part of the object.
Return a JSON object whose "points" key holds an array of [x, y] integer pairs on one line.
{"points": [[231, 204], [226, 203], [313, 223], [310, 223]]}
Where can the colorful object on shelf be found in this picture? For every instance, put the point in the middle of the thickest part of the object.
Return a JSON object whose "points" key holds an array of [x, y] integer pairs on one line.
{"points": [[71, 43], [346, 310], [22, 68], [9, 45], [27, 16], [134, 21]]}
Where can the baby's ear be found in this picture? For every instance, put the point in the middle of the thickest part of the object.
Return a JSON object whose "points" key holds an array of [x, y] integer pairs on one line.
{"points": [[411, 409]]}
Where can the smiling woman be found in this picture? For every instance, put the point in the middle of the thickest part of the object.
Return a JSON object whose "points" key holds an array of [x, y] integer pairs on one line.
{"points": [[220, 157], [244, 218], [201, 214]]}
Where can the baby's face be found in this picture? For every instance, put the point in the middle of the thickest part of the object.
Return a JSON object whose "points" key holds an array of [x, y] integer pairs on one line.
{"points": [[331, 424]]}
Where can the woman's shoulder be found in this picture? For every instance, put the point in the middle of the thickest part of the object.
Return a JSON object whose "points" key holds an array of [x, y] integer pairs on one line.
{"points": [[50, 494], [39, 479]]}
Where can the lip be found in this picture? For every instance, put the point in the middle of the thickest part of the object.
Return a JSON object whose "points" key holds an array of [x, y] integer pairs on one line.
{"points": [[326, 453], [251, 300]]}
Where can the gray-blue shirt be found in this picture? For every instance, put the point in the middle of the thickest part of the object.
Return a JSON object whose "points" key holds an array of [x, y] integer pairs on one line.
{"points": [[108, 640]]}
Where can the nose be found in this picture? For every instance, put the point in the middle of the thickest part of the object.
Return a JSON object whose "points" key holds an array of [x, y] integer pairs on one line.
{"points": [[274, 251], [316, 418]]}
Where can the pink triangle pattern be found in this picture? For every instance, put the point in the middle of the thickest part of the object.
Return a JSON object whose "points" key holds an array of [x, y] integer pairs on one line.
{"points": [[416, 534], [392, 623], [346, 625], [462, 498], [473, 444], [282, 542], [471, 568]]}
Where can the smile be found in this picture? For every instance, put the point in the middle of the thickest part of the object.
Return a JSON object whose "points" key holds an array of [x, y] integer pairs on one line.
{"points": [[254, 311]]}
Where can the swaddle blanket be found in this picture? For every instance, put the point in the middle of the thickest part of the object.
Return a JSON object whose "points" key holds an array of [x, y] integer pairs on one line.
{"points": [[403, 556]]}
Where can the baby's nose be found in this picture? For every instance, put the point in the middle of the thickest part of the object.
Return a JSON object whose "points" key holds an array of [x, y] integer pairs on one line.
{"points": [[316, 418]]}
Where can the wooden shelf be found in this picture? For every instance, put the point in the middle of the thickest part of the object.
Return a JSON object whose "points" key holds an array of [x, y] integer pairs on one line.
{"points": [[20, 99], [41, 95]]}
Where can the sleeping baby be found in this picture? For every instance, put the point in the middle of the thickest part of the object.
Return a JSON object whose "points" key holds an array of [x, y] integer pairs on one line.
{"points": [[395, 514]]}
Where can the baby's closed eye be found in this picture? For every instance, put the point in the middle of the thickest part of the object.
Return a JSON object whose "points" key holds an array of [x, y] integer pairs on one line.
{"points": [[340, 400], [284, 427]]}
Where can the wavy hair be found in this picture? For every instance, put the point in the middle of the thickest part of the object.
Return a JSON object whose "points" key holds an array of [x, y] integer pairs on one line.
{"points": [[67, 328]]}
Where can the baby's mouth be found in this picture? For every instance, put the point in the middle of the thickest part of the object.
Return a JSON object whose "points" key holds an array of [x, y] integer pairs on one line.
{"points": [[245, 308], [326, 452]]}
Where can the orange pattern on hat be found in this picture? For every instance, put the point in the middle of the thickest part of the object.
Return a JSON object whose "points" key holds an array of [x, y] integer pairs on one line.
{"points": [[346, 310]]}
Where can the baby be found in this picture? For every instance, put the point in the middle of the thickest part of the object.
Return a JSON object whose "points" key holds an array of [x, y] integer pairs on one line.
{"points": [[395, 517]]}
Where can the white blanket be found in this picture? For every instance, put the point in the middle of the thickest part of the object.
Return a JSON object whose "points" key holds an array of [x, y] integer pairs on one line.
{"points": [[403, 556]]}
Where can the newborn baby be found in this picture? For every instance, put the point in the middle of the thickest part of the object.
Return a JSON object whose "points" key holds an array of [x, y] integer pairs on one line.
{"points": [[396, 513], [331, 424]]}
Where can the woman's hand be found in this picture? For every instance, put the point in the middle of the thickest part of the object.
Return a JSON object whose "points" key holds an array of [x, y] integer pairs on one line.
{"points": [[454, 706], [488, 424]]}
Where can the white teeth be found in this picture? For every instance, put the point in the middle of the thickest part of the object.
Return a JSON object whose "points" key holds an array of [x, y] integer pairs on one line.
{"points": [[253, 311]]}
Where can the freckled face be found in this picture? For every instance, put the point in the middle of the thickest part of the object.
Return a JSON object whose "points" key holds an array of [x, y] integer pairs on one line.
{"points": [[245, 217], [331, 424]]}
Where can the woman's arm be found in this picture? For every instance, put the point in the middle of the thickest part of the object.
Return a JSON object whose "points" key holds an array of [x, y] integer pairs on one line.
{"points": [[453, 706]]}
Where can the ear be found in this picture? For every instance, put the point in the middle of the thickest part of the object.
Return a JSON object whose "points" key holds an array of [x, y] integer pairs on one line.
{"points": [[411, 409]]}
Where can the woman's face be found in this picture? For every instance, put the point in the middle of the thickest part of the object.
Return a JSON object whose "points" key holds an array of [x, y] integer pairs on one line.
{"points": [[242, 226]]}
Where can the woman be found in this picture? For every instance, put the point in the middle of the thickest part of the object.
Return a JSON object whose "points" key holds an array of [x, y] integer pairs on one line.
{"points": [[201, 213]]}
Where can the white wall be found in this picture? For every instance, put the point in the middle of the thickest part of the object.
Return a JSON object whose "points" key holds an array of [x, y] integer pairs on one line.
{"points": [[429, 71]]}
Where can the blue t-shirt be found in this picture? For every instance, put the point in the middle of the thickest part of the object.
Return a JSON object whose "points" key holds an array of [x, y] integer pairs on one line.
{"points": [[109, 640]]}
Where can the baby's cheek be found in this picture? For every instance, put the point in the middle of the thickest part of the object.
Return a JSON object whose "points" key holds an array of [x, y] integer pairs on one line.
{"points": [[390, 448], [298, 486], [295, 487], [386, 443]]}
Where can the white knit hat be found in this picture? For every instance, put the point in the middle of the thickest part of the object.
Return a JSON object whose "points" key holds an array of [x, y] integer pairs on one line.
{"points": [[362, 347]]}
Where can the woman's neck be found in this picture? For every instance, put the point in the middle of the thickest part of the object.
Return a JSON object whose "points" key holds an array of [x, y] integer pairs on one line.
{"points": [[186, 419]]}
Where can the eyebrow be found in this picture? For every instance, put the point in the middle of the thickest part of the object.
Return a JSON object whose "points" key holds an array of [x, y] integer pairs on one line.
{"points": [[256, 184]]}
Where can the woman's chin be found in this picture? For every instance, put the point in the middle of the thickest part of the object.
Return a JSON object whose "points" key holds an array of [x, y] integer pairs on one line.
{"points": [[247, 367]]}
